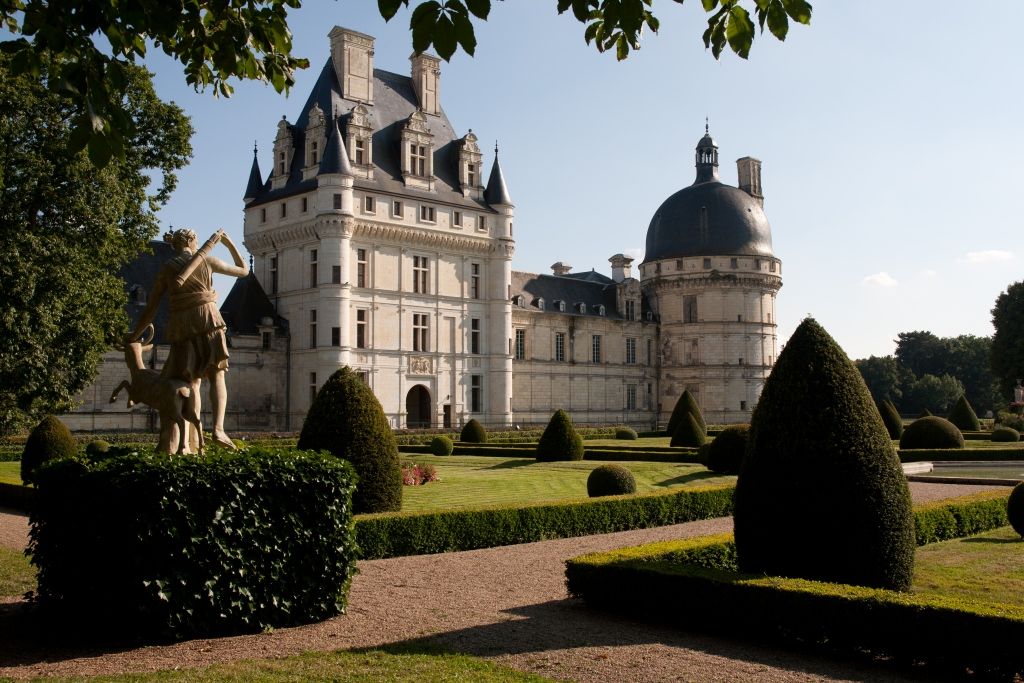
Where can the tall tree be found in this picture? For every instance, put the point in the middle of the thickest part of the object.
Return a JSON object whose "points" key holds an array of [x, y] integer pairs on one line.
{"points": [[1008, 341], [90, 43], [969, 359], [921, 352], [65, 230], [936, 393], [883, 377]]}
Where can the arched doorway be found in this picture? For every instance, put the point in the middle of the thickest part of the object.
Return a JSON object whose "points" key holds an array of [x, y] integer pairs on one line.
{"points": [[417, 408]]}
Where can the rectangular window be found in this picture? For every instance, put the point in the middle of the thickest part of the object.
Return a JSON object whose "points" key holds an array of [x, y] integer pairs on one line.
{"points": [[428, 214], [520, 345], [280, 163], [418, 160], [369, 205], [757, 264], [649, 354], [305, 204], [362, 328], [474, 281], [707, 264], [690, 309], [419, 332], [263, 215], [630, 397], [595, 348], [335, 275], [362, 268], [364, 375], [273, 275], [560, 347], [476, 393], [335, 336], [420, 272], [482, 223], [734, 263], [631, 310], [360, 146], [284, 209], [474, 335], [267, 338], [312, 268], [743, 405], [312, 387], [630, 350], [312, 329], [337, 202], [457, 219], [471, 175], [771, 266], [314, 154], [397, 209]]}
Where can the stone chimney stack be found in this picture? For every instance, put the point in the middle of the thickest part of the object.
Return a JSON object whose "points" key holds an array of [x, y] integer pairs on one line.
{"points": [[560, 268], [621, 267], [426, 81], [352, 54], [749, 171]]}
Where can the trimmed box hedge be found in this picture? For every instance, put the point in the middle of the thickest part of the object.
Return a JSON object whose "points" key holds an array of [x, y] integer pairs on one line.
{"points": [[398, 534], [960, 454], [231, 542], [694, 583]]}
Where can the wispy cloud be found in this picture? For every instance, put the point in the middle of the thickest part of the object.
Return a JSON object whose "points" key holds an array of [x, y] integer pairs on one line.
{"points": [[882, 279], [928, 272], [635, 252], [988, 256]]}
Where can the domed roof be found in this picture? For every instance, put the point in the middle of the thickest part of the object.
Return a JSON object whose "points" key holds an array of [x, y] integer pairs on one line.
{"points": [[708, 218]]}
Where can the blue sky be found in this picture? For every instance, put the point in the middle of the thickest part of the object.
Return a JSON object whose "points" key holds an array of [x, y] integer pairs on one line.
{"points": [[890, 135]]}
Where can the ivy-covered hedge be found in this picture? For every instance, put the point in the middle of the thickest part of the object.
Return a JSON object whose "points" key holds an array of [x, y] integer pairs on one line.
{"points": [[960, 454], [231, 542], [394, 535], [693, 583]]}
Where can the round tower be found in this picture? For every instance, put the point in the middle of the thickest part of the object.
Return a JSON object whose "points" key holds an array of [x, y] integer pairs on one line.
{"points": [[711, 277]]}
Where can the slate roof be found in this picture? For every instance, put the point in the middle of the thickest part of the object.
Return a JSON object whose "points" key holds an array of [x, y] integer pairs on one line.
{"points": [[139, 276], [394, 100], [255, 183], [497, 191], [246, 305], [335, 159], [590, 288]]}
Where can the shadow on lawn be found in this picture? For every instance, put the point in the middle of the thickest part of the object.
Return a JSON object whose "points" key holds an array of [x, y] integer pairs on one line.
{"points": [[512, 464], [684, 478], [541, 628], [977, 539]]}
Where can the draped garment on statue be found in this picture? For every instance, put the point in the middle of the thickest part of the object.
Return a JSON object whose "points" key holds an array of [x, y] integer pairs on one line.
{"points": [[195, 329]]}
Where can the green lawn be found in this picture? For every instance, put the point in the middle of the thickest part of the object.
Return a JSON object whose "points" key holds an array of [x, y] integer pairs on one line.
{"points": [[639, 444], [17, 576], [467, 481], [390, 664], [988, 567], [10, 472]]}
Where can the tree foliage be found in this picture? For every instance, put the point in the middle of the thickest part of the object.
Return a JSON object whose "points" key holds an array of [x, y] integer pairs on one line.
{"points": [[883, 375], [1008, 342], [820, 465], [66, 228]]}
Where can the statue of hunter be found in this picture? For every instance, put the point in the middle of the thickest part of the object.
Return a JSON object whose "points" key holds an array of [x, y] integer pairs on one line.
{"points": [[195, 330]]}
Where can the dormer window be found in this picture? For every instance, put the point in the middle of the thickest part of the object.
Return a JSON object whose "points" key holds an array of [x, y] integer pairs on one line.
{"points": [[469, 165], [359, 140], [540, 304], [316, 139], [360, 152], [283, 150], [417, 152], [581, 308], [600, 309], [471, 175], [517, 300], [314, 153], [280, 163], [560, 305], [418, 160]]}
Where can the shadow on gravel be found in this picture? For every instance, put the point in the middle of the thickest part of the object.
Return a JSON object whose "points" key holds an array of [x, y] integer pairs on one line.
{"points": [[569, 624]]}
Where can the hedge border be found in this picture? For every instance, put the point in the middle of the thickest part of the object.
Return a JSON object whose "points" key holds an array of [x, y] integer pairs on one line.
{"points": [[964, 454], [602, 454], [399, 534], [686, 583]]}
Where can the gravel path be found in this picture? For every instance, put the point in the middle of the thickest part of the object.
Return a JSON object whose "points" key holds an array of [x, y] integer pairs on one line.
{"points": [[507, 604]]}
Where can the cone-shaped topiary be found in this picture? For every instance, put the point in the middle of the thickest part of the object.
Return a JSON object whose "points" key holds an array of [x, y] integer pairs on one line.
{"points": [[821, 494], [1005, 434], [473, 432], [1015, 509], [610, 480], [688, 433], [931, 432], [560, 440], [891, 419], [963, 416], [685, 404], [725, 453], [347, 420], [49, 440], [441, 445]]}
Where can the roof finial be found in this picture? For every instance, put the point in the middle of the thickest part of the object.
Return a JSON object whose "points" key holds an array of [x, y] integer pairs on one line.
{"points": [[250, 263], [254, 148], [706, 131], [495, 149]]}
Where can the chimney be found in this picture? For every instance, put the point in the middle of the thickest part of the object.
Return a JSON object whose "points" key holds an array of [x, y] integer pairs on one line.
{"points": [[749, 171], [426, 81], [560, 268], [352, 54], [621, 267]]}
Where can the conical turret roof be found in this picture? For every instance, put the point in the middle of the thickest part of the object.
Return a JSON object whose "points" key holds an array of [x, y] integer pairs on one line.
{"points": [[335, 156], [255, 178], [496, 192]]}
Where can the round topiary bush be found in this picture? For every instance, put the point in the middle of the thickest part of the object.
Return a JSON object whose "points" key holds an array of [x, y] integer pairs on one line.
{"points": [[473, 432], [1005, 434], [821, 494], [610, 480], [560, 440], [1015, 509], [963, 416], [685, 404], [688, 433], [725, 452], [441, 445], [931, 432], [97, 448], [891, 418], [49, 440], [625, 434], [347, 420]]}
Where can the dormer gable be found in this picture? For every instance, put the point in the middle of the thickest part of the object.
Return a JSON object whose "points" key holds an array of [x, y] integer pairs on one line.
{"points": [[470, 159], [359, 141], [316, 141], [284, 151], [417, 152]]}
